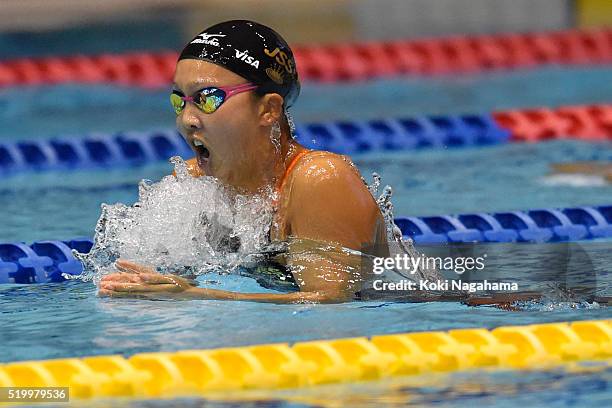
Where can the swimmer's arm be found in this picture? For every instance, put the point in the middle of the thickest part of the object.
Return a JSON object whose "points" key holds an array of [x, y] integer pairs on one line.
{"points": [[169, 286], [134, 280], [295, 297], [331, 206]]}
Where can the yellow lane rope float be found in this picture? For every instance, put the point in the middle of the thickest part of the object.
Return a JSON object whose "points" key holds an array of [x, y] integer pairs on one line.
{"points": [[274, 366]]}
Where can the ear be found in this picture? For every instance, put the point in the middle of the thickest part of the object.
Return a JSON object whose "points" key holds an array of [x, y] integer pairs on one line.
{"points": [[270, 109]]}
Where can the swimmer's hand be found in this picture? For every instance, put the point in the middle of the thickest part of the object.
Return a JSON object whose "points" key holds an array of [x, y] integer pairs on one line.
{"points": [[138, 281], [135, 280]]}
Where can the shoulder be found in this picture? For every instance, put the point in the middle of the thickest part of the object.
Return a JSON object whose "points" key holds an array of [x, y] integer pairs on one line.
{"points": [[192, 168], [320, 168], [329, 201]]}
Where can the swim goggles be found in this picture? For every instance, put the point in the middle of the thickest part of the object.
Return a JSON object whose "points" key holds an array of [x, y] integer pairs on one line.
{"points": [[209, 99]]}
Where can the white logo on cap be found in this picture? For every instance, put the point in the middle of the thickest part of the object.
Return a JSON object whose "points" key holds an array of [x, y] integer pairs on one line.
{"points": [[245, 57], [208, 39]]}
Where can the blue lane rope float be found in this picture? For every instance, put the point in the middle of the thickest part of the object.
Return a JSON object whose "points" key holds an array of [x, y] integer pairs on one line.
{"points": [[585, 122], [46, 261], [139, 148], [40, 262], [97, 150], [540, 225], [403, 134]]}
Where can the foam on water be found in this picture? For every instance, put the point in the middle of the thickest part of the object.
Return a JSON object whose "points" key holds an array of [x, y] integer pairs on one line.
{"points": [[575, 180], [180, 224]]}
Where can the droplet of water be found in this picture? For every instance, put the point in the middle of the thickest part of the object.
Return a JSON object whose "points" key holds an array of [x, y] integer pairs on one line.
{"points": [[179, 225]]}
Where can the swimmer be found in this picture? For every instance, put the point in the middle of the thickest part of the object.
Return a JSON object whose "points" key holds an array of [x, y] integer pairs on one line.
{"points": [[601, 170], [232, 86]]}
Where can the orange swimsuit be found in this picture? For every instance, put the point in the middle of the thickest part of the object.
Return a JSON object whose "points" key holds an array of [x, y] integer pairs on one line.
{"points": [[281, 184], [278, 189]]}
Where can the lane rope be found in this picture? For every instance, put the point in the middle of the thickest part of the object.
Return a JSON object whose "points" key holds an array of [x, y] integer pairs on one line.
{"points": [[46, 261], [310, 363], [339, 62], [592, 123]]}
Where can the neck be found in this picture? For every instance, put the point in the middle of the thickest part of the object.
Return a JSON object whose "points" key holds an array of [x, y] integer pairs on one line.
{"points": [[289, 149], [270, 169]]}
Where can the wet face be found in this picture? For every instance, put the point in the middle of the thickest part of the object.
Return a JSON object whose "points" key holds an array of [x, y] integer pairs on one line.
{"points": [[230, 143]]}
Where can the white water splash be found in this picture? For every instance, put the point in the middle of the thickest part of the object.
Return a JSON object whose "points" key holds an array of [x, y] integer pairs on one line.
{"points": [[394, 233], [574, 180], [187, 225], [180, 224]]}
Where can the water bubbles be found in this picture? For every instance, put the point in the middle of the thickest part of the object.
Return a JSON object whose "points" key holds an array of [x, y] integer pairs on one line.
{"points": [[394, 233], [291, 123], [373, 188], [180, 224]]}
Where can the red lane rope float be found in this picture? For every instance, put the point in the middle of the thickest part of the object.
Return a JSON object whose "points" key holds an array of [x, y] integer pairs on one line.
{"points": [[588, 122], [340, 62], [135, 69]]}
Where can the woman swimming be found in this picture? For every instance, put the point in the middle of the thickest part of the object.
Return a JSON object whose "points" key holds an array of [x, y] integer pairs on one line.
{"points": [[232, 87], [596, 170]]}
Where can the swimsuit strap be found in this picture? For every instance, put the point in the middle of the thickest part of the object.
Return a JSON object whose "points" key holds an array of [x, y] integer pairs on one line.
{"points": [[292, 164]]}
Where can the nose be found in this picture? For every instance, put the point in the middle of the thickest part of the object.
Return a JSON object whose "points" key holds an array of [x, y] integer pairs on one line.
{"points": [[190, 117]]}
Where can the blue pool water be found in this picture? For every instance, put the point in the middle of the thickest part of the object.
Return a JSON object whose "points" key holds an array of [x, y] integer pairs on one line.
{"points": [[27, 113], [64, 320], [65, 205], [557, 388], [68, 320]]}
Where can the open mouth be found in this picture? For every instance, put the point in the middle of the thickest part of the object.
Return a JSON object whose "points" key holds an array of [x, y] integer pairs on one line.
{"points": [[202, 153]]}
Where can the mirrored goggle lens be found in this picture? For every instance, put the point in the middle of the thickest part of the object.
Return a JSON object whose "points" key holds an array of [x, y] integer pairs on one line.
{"points": [[178, 104], [210, 100]]}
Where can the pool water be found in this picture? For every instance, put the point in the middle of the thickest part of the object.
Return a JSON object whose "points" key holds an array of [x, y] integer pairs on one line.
{"points": [[27, 113], [64, 320], [586, 386], [65, 205], [68, 320]]}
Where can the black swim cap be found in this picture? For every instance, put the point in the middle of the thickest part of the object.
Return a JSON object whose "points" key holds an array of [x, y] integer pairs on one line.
{"points": [[251, 50]]}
